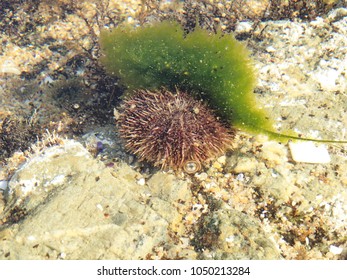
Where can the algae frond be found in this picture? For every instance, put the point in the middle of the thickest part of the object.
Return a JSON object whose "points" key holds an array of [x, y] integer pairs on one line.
{"points": [[215, 67]]}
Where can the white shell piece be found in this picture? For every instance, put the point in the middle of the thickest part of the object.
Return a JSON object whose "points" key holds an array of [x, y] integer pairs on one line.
{"points": [[309, 152]]}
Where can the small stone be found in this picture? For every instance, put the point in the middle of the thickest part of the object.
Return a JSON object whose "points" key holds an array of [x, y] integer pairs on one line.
{"points": [[222, 160], [327, 79], [141, 182], [270, 49], [335, 250], [217, 165], [201, 176], [318, 22], [308, 152], [337, 14], [99, 206], [243, 27], [240, 177], [3, 185], [245, 165], [130, 20], [9, 67], [274, 152], [62, 255]]}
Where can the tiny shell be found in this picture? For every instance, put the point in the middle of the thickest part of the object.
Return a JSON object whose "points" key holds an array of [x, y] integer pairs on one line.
{"points": [[192, 167]]}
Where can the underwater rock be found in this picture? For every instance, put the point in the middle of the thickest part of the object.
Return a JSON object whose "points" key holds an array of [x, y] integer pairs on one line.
{"points": [[238, 237], [65, 204], [74, 206]]}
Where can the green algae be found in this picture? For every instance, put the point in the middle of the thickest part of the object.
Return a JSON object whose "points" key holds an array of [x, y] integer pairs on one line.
{"points": [[215, 67]]}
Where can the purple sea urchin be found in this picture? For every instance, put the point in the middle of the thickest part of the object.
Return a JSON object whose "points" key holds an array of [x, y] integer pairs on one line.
{"points": [[171, 130]]}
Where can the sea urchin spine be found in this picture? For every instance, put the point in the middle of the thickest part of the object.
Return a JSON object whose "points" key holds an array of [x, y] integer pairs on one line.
{"points": [[171, 129]]}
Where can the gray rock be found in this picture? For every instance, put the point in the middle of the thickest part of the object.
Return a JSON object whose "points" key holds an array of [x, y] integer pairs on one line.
{"points": [[303, 81], [230, 234], [79, 209], [65, 204]]}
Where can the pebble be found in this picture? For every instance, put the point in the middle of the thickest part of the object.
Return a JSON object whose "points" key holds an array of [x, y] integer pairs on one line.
{"points": [[9, 67], [245, 165], [335, 250], [274, 152], [141, 181], [222, 160], [337, 14], [3, 184], [130, 20], [270, 49], [99, 206], [327, 78], [240, 177], [308, 152], [217, 165], [243, 27], [201, 176]]}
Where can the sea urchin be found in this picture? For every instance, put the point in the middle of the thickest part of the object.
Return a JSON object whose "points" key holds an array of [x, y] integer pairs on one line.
{"points": [[171, 129]]}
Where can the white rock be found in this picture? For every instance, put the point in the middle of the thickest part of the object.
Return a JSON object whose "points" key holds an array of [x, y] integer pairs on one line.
{"points": [[243, 27], [99, 206], [141, 181], [230, 239], [319, 22], [222, 159], [58, 180], [8, 67], [337, 14], [201, 176], [309, 152], [270, 49], [240, 177], [327, 78], [335, 250], [3, 184]]}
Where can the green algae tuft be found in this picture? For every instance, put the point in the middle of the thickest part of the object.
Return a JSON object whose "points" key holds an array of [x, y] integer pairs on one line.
{"points": [[215, 67]]}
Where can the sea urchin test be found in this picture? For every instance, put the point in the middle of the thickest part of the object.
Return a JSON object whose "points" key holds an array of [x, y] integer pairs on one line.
{"points": [[172, 129]]}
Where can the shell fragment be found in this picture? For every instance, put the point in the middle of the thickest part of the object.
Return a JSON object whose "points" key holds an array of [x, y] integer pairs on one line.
{"points": [[309, 152]]}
